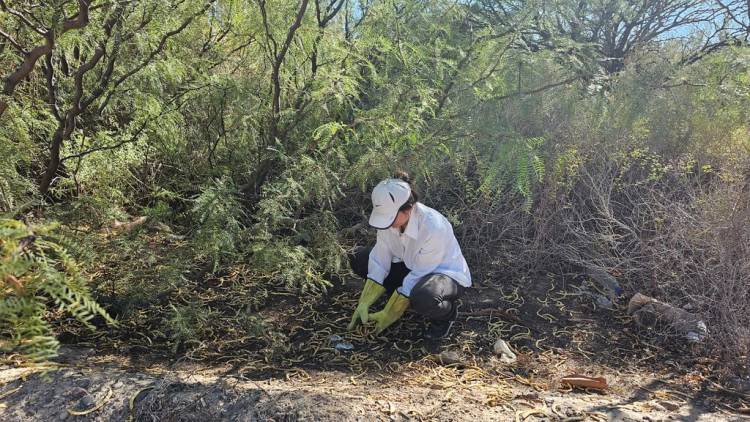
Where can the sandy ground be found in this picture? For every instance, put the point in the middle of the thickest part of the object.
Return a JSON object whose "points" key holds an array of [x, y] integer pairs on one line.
{"points": [[555, 330], [102, 388]]}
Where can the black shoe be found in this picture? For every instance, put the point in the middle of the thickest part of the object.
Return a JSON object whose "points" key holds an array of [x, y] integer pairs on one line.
{"points": [[441, 329]]}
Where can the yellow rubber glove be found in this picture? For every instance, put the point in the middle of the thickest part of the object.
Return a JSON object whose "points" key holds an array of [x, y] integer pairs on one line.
{"points": [[396, 306], [370, 293]]}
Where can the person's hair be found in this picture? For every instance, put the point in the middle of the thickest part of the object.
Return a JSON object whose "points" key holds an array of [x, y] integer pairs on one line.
{"points": [[413, 197]]}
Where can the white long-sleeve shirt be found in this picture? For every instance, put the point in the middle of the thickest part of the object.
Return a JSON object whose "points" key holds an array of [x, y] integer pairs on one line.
{"points": [[426, 246]]}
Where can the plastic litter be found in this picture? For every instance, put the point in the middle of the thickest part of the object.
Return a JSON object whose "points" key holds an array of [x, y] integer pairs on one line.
{"points": [[502, 349], [339, 344], [344, 346], [603, 302], [606, 281]]}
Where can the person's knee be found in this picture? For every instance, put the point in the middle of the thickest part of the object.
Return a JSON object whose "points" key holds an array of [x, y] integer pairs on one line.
{"points": [[421, 301], [426, 297], [359, 260]]}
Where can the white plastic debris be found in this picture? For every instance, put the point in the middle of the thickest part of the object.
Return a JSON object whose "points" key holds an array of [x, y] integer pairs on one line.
{"points": [[344, 346], [339, 344], [502, 349]]}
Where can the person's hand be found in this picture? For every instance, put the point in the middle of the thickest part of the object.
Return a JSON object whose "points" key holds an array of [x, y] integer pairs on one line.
{"points": [[370, 293], [361, 313], [396, 306]]}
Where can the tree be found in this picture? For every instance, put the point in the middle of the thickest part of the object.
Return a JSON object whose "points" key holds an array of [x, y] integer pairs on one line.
{"points": [[30, 56], [83, 73], [616, 28]]}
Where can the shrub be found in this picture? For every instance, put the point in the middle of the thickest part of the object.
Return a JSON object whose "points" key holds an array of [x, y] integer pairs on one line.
{"points": [[37, 271], [217, 217]]}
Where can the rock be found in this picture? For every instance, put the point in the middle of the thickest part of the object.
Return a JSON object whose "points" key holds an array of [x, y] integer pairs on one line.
{"points": [[86, 402], [502, 349], [449, 357], [650, 313]]}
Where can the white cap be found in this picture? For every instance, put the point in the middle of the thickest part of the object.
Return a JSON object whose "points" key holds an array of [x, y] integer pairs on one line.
{"points": [[387, 197]]}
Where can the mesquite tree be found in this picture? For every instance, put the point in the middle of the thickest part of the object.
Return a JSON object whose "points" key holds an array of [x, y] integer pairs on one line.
{"points": [[615, 29], [88, 54]]}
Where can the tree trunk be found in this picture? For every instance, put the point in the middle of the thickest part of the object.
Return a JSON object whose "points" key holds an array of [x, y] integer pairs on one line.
{"points": [[54, 161]]}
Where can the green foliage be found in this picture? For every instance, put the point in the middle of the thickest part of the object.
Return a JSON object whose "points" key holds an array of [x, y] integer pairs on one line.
{"points": [[36, 270], [18, 150], [294, 237], [497, 112], [187, 323], [217, 217], [516, 163]]}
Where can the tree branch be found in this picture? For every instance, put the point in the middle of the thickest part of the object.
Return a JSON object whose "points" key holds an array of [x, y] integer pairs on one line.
{"points": [[79, 20], [13, 42], [20, 16], [131, 139], [25, 68], [278, 61], [538, 90], [153, 54], [49, 72]]}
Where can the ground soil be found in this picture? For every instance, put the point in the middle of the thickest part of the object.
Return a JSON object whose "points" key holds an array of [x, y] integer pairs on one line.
{"points": [[554, 325]]}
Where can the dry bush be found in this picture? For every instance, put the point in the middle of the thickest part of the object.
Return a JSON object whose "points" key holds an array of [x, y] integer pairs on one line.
{"points": [[493, 227], [679, 236], [599, 224], [701, 259]]}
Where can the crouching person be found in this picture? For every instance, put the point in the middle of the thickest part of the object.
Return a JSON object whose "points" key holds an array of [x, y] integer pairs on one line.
{"points": [[416, 261]]}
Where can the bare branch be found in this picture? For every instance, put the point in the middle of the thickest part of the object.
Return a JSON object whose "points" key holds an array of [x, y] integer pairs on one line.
{"points": [[13, 42], [266, 27], [279, 60], [79, 20], [540, 89], [733, 14]]}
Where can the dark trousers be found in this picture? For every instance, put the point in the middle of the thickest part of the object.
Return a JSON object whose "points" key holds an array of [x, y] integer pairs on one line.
{"points": [[434, 296]]}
